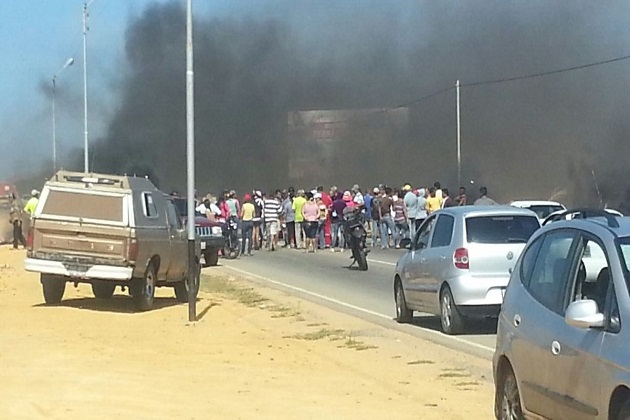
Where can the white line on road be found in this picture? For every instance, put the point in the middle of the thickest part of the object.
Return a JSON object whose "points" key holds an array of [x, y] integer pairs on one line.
{"points": [[357, 308], [382, 262]]}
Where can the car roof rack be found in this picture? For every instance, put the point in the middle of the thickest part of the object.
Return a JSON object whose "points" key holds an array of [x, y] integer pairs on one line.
{"points": [[585, 213]]}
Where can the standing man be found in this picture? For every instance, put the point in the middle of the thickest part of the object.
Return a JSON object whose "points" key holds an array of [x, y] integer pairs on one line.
{"points": [[31, 204], [461, 199], [483, 199], [375, 215], [411, 205], [385, 215], [422, 207], [289, 220], [298, 204], [447, 201], [15, 218], [271, 213], [434, 203]]}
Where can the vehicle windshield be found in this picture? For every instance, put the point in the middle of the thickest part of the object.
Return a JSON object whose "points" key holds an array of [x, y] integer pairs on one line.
{"points": [[500, 229], [542, 211]]}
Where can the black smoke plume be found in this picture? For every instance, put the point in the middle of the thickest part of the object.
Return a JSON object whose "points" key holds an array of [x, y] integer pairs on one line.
{"points": [[534, 138]]}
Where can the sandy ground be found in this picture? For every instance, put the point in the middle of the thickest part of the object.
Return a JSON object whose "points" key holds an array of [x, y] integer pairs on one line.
{"points": [[254, 353]]}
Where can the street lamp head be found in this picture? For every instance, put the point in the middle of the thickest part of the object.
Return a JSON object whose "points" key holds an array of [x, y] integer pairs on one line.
{"points": [[69, 62]]}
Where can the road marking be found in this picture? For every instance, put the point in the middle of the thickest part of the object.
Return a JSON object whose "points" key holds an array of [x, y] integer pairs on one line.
{"points": [[382, 262], [358, 308]]}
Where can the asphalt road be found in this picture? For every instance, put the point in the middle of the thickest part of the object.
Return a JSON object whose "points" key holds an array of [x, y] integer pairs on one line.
{"points": [[324, 277]]}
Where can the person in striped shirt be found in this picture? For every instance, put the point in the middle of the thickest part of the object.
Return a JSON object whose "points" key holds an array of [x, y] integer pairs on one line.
{"points": [[272, 211]]}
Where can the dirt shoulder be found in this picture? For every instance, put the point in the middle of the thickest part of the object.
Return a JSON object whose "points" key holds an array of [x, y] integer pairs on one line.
{"points": [[254, 353]]}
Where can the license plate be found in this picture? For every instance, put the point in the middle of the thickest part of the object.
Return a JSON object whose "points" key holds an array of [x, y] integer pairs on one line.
{"points": [[203, 245]]}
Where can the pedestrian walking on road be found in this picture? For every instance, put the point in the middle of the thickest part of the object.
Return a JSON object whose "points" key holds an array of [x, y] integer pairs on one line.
{"points": [[15, 218], [271, 213]]}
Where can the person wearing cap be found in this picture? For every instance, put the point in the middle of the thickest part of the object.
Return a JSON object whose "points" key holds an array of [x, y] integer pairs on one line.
{"points": [[357, 196], [31, 204]]}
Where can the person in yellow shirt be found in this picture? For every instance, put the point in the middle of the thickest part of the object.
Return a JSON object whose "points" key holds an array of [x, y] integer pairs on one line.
{"points": [[434, 203], [298, 204], [31, 205], [248, 211]]}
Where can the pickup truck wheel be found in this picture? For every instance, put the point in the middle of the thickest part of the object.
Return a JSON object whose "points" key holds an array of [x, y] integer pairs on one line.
{"points": [[211, 255], [53, 288], [143, 289], [181, 288], [103, 289]]}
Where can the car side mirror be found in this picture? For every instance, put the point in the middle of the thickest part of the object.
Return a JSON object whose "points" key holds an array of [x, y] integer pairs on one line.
{"points": [[405, 243], [584, 314]]}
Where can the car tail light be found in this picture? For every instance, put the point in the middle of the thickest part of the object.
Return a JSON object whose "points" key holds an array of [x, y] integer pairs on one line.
{"points": [[132, 250], [460, 258], [29, 239]]}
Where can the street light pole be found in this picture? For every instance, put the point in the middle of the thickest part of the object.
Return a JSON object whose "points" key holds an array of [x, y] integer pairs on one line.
{"points": [[54, 122], [193, 279], [85, 107]]}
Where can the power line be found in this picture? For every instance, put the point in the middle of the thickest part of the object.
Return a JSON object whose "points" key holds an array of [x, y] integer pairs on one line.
{"points": [[546, 73]]}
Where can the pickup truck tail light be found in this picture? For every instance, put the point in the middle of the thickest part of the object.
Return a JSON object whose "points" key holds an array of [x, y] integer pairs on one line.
{"points": [[132, 250], [460, 258], [29, 239]]}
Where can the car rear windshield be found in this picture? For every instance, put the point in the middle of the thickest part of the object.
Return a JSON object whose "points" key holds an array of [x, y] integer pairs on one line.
{"points": [[84, 206], [544, 210], [500, 229]]}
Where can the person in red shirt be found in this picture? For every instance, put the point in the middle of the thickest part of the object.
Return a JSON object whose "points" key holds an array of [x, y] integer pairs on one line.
{"points": [[328, 224]]}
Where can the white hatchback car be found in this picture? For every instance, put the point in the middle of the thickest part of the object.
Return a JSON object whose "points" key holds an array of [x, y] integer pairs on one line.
{"points": [[540, 207]]}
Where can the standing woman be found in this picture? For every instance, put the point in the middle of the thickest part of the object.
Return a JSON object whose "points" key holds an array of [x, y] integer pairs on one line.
{"points": [[323, 219], [310, 212], [401, 220], [248, 211]]}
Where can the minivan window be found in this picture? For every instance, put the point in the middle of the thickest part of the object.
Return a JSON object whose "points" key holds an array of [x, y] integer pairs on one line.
{"points": [[550, 276], [83, 206], [500, 229], [443, 231]]}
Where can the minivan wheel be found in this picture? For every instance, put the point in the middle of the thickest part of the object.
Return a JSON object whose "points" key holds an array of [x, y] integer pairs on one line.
{"points": [[403, 313], [143, 289], [508, 398], [103, 289], [53, 288], [452, 322]]}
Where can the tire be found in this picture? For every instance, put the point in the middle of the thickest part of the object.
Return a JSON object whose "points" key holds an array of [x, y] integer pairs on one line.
{"points": [[103, 289], [507, 398], [362, 261], [451, 319], [53, 288], [231, 253], [143, 289], [212, 257], [181, 288], [403, 314]]}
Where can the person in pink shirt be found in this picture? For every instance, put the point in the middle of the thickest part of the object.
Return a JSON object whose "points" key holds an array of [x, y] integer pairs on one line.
{"points": [[310, 211]]}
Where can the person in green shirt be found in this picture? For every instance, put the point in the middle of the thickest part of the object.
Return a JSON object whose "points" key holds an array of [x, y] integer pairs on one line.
{"points": [[31, 205], [298, 204]]}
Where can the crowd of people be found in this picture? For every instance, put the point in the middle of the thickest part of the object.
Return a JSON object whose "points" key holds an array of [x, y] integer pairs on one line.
{"points": [[313, 220]]}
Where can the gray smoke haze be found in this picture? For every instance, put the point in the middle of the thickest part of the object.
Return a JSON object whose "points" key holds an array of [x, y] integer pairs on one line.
{"points": [[527, 139]]}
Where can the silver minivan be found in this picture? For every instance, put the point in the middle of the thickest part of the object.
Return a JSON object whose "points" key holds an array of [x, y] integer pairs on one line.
{"points": [[459, 263], [562, 337]]}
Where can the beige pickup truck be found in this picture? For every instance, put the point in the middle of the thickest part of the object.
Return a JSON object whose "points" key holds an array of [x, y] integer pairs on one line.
{"points": [[108, 231]]}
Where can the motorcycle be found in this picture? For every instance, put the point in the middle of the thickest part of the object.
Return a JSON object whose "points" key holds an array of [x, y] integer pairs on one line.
{"points": [[355, 235], [232, 246]]}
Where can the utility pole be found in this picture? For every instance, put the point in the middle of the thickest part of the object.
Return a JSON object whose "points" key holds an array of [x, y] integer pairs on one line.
{"points": [[85, 95], [69, 62], [193, 273], [459, 140]]}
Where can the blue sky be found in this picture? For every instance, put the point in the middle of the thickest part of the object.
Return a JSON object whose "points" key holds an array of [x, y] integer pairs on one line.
{"points": [[36, 39]]}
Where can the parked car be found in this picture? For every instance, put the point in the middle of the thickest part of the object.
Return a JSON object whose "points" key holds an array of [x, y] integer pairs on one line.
{"points": [[459, 263], [576, 213], [563, 334], [107, 231], [542, 208], [211, 237]]}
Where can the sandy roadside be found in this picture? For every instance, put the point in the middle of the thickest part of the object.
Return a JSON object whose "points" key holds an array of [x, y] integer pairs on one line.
{"points": [[255, 353]]}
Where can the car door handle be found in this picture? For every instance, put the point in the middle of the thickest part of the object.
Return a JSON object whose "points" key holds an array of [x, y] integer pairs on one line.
{"points": [[555, 348], [517, 320]]}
